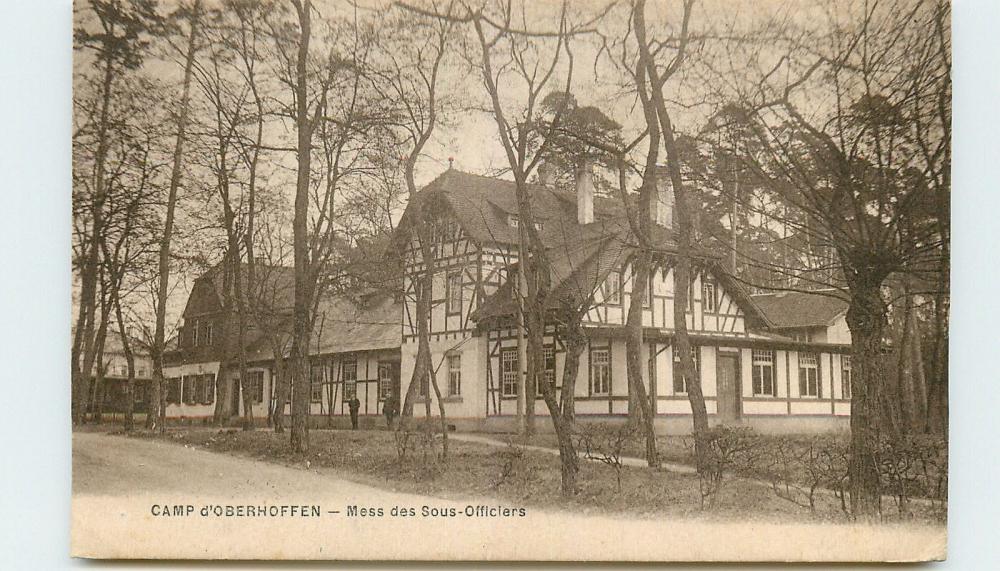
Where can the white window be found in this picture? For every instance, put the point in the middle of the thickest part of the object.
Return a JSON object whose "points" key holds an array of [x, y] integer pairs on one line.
{"points": [[255, 386], [513, 221], [600, 372], [508, 373], [385, 380], [845, 364], [349, 372], [124, 370], [454, 304], [197, 326], [763, 373], [454, 375], [316, 383], [680, 382], [611, 289], [141, 372], [809, 375], [708, 300], [208, 334], [549, 359]]}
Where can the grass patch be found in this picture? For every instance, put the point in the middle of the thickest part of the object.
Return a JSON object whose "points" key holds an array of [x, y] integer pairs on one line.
{"points": [[510, 474]]}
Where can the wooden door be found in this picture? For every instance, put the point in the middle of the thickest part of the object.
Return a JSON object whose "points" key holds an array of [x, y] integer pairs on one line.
{"points": [[728, 375]]}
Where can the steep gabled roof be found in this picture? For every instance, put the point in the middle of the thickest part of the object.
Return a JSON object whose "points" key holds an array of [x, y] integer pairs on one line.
{"points": [[789, 309], [274, 288], [483, 207], [344, 324]]}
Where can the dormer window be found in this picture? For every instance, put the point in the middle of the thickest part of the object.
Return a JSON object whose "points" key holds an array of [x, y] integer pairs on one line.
{"points": [[515, 222]]}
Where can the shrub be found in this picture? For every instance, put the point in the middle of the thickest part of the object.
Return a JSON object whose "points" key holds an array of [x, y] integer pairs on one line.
{"points": [[915, 466], [606, 443], [725, 448], [799, 467]]}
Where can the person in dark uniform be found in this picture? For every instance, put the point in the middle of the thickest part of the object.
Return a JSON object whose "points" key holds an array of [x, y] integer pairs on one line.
{"points": [[354, 404], [390, 408]]}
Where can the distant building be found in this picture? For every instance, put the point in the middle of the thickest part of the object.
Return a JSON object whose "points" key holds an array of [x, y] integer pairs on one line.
{"points": [[819, 316], [354, 350], [115, 379]]}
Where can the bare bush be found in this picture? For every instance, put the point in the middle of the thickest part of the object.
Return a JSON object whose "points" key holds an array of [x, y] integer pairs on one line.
{"points": [[606, 444], [800, 467], [727, 449], [915, 467], [512, 464]]}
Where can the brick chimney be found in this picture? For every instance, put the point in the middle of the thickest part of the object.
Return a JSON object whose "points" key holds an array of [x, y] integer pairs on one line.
{"points": [[662, 210], [585, 192]]}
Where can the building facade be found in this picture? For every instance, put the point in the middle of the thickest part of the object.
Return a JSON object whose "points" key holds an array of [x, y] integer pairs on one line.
{"points": [[750, 372], [779, 362]]}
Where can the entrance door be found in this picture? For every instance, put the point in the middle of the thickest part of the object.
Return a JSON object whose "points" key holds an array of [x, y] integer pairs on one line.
{"points": [[728, 375]]}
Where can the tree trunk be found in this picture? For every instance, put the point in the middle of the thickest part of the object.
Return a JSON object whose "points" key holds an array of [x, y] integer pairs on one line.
{"points": [[158, 417], [300, 238], [575, 343], [97, 390], [130, 363], [937, 383], [281, 386], [866, 318], [633, 354]]}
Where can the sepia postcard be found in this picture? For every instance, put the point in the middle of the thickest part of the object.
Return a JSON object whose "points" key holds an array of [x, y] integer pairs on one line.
{"points": [[602, 280]]}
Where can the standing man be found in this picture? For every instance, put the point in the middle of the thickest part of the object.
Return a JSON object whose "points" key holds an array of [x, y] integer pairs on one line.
{"points": [[389, 410], [354, 404]]}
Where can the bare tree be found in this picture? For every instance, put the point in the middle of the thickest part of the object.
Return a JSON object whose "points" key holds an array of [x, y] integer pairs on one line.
{"points": [[868, 171], [115, 35], [191, 15]]}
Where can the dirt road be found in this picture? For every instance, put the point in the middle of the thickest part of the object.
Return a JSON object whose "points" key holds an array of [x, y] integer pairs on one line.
{"points": [[138, 498]]}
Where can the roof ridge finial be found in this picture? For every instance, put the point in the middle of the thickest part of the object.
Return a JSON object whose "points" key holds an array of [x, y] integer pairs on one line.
{"points": [[451, 161]]}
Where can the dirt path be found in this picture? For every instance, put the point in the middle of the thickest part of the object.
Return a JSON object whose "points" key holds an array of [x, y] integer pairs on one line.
{"points": [[121, 487], [626, 460]]}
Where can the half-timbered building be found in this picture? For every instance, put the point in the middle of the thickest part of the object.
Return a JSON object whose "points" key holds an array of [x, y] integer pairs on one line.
{"points": [[354, 351], [749, 373]]}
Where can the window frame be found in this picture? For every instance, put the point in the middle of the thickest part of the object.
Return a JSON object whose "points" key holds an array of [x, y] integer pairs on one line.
{"points": [[810, 385], [505, 363], [174, 390], [705, 285], [350, 385], [189, 389], [757, 366], [451, 291], [208, 389], [598, 380], [454, 375], [316, 384], [679, 380], [846, 375], [383, 380], [549, 358], [607, 291]]}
